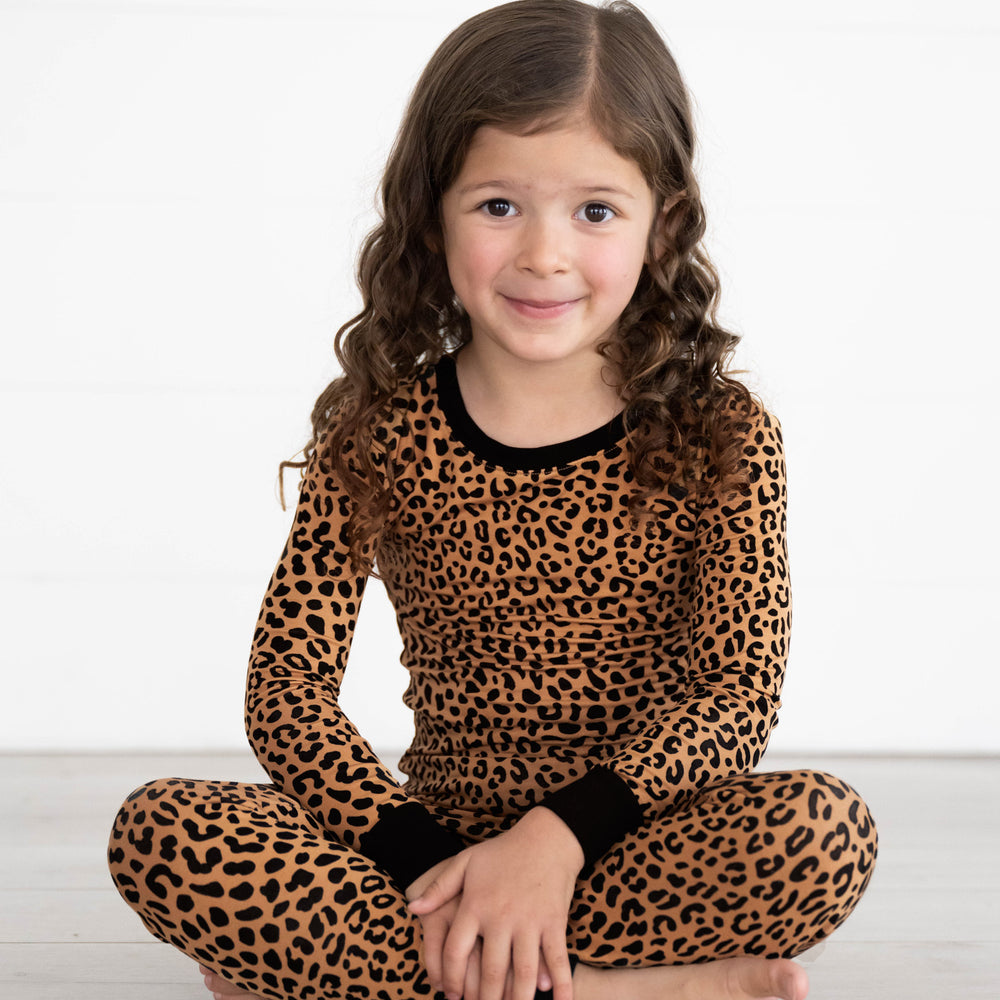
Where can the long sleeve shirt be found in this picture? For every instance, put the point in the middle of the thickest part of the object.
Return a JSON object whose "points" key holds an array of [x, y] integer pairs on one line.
{"points": [[558, 655]]}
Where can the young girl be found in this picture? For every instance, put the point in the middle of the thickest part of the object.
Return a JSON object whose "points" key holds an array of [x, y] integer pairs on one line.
{"points": [[579, 517]]}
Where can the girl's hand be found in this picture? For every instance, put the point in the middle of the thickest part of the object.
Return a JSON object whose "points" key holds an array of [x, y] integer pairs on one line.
{"points": [[473, 976], [435, 927], [514, 893]]}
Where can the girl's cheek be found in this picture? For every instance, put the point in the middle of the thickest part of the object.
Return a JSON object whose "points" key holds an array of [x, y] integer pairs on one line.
{"points": [[476, 257], [619, 271]]}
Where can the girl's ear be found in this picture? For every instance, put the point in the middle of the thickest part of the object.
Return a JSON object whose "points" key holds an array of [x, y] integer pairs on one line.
{"points": [[660, 241], [433, 239]]}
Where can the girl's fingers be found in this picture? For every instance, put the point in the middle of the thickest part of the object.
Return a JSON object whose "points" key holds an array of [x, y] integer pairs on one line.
{"points": [[544, 979], [524, 962], [446, 886], [432, 963], [472, 971], [508, 986], [556, 960], [495, 967], [455, 954], [434, 932]]}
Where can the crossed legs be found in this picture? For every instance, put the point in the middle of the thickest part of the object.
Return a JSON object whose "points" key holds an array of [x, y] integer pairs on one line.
{"points": [[707, 899]]}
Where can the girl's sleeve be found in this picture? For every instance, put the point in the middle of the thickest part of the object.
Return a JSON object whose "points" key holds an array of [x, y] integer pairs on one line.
{"points": [[294, 721], [739, 634]]}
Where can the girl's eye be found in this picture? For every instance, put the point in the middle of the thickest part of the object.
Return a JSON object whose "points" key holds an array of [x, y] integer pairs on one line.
{"points": [[597, 212], [499, 208]]}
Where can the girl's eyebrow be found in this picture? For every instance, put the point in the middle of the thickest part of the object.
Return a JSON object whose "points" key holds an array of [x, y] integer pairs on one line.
{"points": [[469, 188], [582, 190], [604, 189]]}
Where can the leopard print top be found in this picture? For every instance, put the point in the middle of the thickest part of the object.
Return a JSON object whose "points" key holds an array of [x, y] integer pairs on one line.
{"points": [[556, 654]]}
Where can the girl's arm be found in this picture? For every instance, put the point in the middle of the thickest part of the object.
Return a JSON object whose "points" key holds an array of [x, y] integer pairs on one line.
{"points": [[740, 618], [294, 721]]}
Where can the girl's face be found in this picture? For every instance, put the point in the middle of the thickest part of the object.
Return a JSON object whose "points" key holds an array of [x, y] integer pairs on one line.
{"points": [[545, 237]]}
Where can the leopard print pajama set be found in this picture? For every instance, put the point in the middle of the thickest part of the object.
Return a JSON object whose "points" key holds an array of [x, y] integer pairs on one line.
{"points": [[627, 679]]}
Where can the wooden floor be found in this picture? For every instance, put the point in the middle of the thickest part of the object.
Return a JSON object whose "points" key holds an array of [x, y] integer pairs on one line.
{"points": [[928, 929]]}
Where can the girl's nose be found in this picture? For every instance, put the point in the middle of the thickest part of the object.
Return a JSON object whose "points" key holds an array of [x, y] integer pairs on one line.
{"points": [[543, 248]]}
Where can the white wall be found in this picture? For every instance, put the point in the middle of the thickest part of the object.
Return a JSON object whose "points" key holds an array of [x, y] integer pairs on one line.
{"points": [[183, 186]]}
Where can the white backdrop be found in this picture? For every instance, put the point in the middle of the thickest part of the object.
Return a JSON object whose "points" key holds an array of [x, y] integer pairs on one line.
{"points": [[183, 187]]}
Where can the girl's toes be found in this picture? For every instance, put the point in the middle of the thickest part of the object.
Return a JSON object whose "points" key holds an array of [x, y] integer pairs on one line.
{"points": [[222, 989]]}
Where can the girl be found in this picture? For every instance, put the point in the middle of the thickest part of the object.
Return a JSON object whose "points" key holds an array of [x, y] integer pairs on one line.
{"points": [[579, 517]]}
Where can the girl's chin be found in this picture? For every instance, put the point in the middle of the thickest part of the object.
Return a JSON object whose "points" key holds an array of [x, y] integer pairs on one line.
{"points": [[538, 343], [545, 351]]}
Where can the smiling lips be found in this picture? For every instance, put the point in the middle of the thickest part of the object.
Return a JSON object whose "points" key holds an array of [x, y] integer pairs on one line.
{"points": [[540, 308]]}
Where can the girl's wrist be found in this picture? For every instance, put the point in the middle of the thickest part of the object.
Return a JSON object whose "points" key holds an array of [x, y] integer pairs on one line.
{"points": [[551, 829]]}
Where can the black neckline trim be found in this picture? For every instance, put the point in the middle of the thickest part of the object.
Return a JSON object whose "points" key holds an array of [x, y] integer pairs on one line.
{"points": [[549, 456]]}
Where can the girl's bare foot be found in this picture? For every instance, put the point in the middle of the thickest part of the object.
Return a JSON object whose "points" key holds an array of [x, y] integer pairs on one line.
{"points": [[728, 979], [223, 989]]}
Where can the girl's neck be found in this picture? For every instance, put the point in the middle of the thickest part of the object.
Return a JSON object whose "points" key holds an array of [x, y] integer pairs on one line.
{"points": [[531, 404]]}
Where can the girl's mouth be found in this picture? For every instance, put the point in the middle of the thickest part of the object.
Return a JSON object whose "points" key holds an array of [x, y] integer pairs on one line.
{"points": [[541, 308]]}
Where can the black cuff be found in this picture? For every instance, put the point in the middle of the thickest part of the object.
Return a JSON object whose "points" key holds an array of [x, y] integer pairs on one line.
{"points": [[406, 841], [599, 808]]}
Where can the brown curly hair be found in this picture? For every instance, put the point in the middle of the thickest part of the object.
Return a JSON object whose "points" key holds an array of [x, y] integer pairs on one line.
{"points": [[528, 66]]}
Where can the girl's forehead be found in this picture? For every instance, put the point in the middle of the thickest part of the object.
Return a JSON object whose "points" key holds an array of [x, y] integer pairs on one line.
{"points": [[569, 147]]}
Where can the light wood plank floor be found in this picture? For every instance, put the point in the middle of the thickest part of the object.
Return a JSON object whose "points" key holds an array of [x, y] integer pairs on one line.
{"points": [[928, 929]]}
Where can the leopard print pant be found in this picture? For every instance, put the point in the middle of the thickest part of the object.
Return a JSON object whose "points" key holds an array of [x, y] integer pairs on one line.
{"points": [[245, 880]]}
